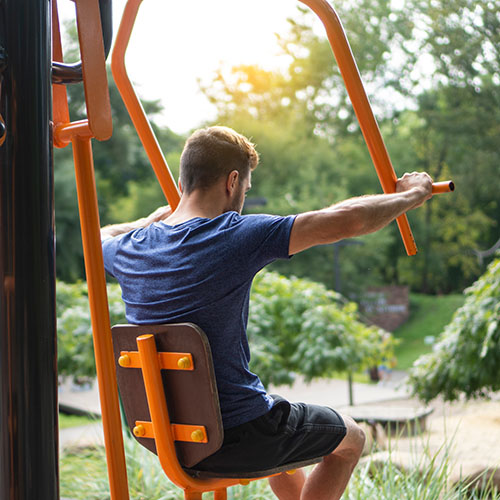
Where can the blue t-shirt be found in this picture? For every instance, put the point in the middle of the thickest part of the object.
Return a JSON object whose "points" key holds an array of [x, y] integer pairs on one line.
{"points": [[201, 271]]}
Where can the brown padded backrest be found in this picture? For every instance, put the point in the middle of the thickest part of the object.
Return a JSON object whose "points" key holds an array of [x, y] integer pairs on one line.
{"points": [[191, 396]]}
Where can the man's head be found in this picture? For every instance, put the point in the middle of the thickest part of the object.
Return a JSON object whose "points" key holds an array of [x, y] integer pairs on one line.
{"points": [[211, 154]]}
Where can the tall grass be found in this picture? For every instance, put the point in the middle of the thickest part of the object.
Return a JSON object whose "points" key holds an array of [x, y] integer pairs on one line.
{"points": [[83, 476]]}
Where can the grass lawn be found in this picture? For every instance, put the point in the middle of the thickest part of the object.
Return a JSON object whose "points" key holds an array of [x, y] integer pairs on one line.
{"points": [[66, 421], [429, 314]]}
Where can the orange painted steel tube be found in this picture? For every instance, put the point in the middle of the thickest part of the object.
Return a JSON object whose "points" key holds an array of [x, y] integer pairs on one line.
{"points": [[220, 495], [135, 109], [443, 187], [64, 133], [164, 439], [362, 108], [101, 329]]}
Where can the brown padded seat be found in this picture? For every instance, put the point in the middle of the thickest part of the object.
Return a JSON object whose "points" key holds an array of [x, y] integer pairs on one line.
{"points": [[191, 396]]}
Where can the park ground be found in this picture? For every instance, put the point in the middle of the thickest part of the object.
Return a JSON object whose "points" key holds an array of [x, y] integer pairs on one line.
{"points": [[465, 435]]}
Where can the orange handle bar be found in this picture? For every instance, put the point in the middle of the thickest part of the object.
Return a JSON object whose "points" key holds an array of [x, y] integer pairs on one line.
{"points": [[443, 187], [363, 110]]}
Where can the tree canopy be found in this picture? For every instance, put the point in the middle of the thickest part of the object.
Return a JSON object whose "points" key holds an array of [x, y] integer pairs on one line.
{"points": [[297, 327], [435, 90], [431, 69], [466, 358]]}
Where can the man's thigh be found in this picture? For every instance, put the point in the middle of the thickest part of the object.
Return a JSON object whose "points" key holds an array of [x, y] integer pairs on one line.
{"points": [[288, 433]]}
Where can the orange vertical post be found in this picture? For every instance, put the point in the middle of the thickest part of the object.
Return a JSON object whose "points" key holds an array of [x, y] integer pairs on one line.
{"points": [[98, 302], [80, 135]]}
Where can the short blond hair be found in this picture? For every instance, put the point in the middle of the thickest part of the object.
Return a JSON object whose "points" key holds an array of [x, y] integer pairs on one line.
{"points": [[213, 152]]}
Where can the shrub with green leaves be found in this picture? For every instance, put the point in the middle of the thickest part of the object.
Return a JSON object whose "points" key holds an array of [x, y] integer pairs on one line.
{"points": [[466, 358], [75, 356], [295, 327], [299, 327]]}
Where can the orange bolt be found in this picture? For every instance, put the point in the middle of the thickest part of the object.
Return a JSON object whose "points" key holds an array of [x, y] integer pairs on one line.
{"points": [[184, 363], [124, 361], [198, 435], [139, 431]]}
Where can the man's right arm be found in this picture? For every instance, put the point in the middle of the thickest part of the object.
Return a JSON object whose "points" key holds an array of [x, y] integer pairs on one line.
{"points": [[359, 216]]}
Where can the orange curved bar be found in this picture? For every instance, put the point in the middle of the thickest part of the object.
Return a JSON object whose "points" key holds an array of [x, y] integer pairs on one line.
{"points": [[164, 439], [362, 108], [134, 106], [95, 78]]}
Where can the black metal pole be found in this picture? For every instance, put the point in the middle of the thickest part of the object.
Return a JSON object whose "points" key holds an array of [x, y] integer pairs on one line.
{"points": [[28, 370]]}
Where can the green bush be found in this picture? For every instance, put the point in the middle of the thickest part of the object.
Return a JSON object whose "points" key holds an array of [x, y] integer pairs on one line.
{"points": [[299, 327], [75, 357], [295, 327], [466, 358]]}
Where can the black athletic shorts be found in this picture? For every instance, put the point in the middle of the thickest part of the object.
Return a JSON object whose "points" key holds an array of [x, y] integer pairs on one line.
{"points": [[288, 433]]}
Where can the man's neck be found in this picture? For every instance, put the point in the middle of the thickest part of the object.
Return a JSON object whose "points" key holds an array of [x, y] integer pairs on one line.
{"points": [[194, 205]]}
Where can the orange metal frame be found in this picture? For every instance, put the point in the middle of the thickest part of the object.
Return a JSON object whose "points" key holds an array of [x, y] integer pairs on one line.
{"points": [[134, 106], [354, 85], [99, 126], [366, 118]]}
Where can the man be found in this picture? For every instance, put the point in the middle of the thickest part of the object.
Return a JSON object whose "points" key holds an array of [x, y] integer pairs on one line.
{"points": [[197, 265]]}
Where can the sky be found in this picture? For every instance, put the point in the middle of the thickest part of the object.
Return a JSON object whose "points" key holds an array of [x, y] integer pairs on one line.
{"points": [[176, 43]]}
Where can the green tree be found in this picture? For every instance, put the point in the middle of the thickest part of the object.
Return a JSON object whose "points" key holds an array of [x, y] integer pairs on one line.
{"points": [[298, 327], [122, 172], [452, 136], [466, 357], [444, 121], [295, 327], [75, 356]]}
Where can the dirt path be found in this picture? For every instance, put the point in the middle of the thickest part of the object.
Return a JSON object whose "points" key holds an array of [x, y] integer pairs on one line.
{"points": [[468, 434]]}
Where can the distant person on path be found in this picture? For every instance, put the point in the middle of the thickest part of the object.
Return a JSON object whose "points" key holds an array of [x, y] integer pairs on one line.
{"points": [[197, 265]]}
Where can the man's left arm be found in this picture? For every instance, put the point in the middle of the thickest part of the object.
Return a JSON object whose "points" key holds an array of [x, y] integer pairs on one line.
{"points": [[116, 229]]}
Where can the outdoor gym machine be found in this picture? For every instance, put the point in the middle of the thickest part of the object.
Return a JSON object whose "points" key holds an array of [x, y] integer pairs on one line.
{"points": [[28, 376]]}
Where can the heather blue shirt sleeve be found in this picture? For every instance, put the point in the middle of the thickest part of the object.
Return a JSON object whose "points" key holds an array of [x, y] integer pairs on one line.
{"points": [[261, 239], [109, 247]]}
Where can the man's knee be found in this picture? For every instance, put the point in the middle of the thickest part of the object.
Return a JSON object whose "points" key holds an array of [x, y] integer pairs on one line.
{"points": [[354, 440]]}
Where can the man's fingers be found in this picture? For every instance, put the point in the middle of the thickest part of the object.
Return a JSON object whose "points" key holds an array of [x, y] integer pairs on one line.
{"points": [[420, 180]]}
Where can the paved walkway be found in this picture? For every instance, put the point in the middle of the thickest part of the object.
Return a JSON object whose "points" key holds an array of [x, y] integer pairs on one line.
{"points": [[331, 392]]}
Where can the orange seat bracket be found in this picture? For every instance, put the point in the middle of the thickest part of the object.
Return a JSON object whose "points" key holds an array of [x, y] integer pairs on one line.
{"points": [[167, 360], [180, 432]]}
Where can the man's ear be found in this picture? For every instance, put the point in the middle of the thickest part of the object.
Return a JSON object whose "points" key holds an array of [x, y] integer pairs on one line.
{"points": [[232, 181], [180, 185]]}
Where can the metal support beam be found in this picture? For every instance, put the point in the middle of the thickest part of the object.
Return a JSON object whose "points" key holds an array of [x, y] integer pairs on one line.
{"points": [[28, 369]]}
